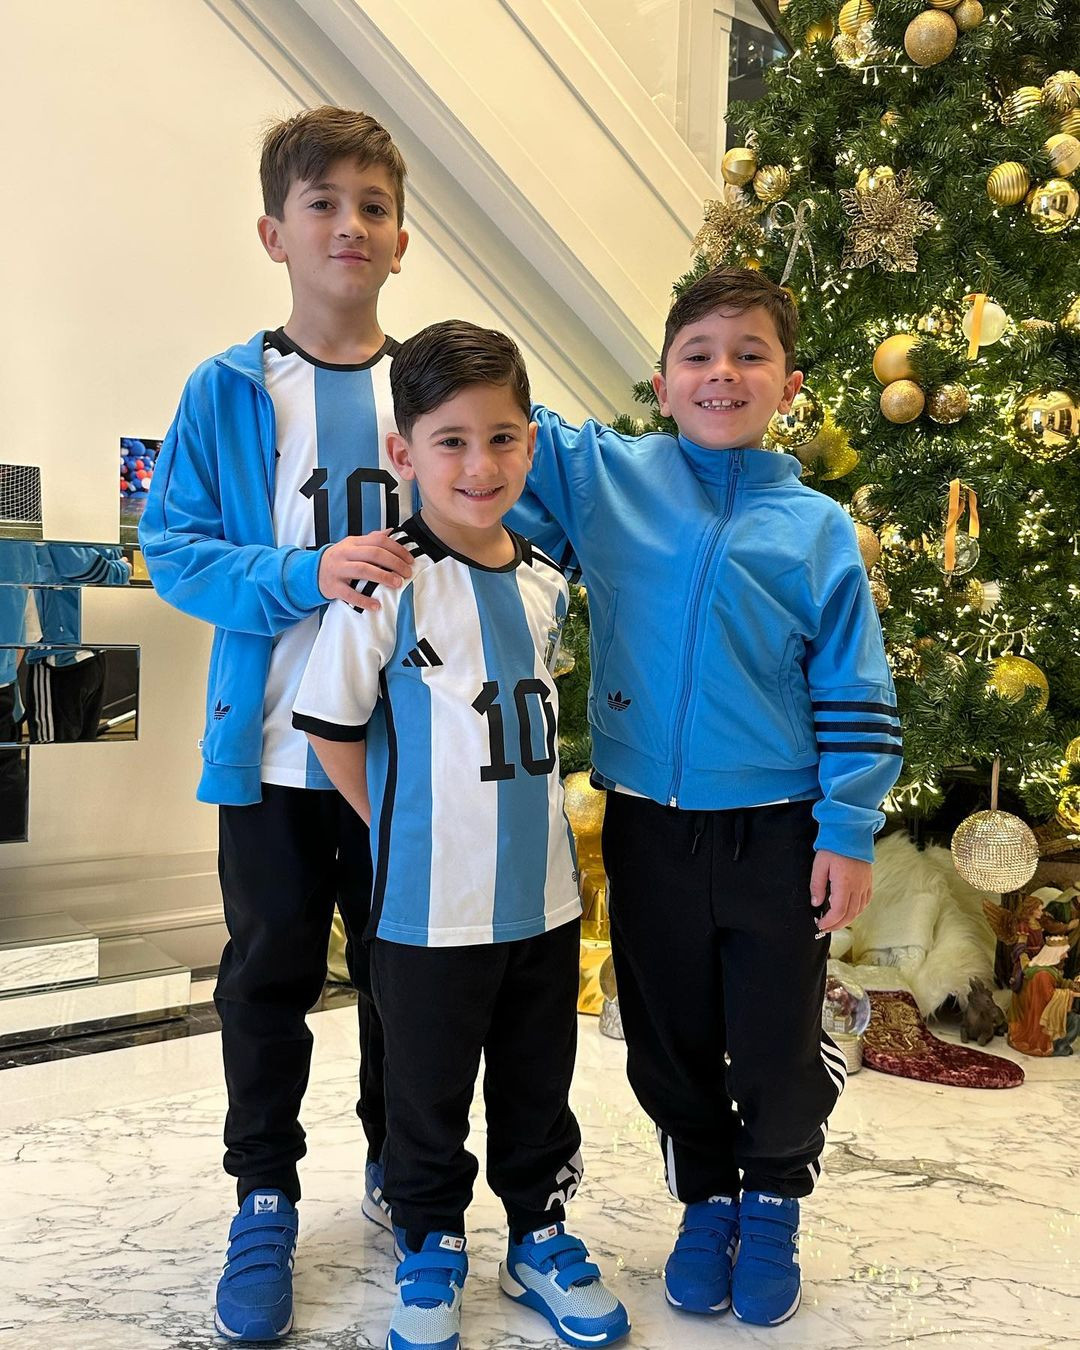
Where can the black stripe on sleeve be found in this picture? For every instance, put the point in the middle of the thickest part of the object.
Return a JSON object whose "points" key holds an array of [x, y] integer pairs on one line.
{"points": [[857, 748], [826, 705], [329, 731], [883, 728]]}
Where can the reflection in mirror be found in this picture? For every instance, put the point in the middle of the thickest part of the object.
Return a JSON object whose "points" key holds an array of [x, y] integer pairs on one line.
{"points": [[14, 789], [68, 693], [138, 456], [29, 563], [20, 501]]}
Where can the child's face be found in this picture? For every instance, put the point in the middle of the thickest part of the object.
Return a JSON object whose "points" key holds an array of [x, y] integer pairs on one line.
{"points": [[470, 456], [724, 378], [339, 236]]}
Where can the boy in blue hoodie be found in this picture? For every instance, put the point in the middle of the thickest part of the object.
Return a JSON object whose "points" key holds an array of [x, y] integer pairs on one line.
{"points": [[273, 495], [744, 723]]}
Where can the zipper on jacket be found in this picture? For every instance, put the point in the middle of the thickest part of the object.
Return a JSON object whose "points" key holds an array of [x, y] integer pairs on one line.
{"points": [[695, 607]]}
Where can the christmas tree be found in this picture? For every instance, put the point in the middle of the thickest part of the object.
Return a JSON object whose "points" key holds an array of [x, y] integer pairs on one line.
{"points": [[908, 176]]}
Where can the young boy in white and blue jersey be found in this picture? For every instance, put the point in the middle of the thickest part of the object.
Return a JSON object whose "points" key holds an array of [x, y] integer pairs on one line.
{"points": [[435, 717], [272, 494], [744, 721]]}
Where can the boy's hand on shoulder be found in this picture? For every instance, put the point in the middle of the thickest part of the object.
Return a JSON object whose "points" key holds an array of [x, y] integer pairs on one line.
{"points": [[363, 558], [845, 883]]}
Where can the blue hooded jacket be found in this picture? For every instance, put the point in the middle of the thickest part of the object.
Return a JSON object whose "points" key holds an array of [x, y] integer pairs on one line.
{"points": [[207, 533], [737, 656]]}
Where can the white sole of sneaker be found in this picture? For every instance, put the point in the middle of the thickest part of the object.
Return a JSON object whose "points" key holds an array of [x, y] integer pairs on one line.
{"points": [[231, 1335], [710, 1311], [776, 1321], [375, 1212]]}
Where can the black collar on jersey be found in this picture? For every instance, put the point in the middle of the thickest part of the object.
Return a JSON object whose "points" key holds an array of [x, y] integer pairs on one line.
{"points": [[279, 341], [429, 544]]}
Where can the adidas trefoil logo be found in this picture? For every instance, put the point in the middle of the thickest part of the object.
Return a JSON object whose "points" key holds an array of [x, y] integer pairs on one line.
{"points": [[423, 655], [220, 709], [617, 703], [266, 1204]]}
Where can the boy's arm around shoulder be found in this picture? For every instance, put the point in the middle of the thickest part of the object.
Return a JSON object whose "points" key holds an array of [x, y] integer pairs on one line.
{"points": [[853, 701], [250, 587], [560, 491]]}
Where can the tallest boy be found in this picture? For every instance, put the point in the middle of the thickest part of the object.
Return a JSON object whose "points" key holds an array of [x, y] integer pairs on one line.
{"points": [[277, 450]]}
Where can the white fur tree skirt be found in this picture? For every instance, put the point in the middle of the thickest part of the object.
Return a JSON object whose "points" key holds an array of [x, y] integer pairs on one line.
{"points": [[923, 931]]}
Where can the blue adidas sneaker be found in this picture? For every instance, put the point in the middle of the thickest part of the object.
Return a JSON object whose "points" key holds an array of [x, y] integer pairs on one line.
{"points": [[254, 1294], [373, 1205], [697, 1277], [429, 1285], [550, 1271], [766, 1286]]}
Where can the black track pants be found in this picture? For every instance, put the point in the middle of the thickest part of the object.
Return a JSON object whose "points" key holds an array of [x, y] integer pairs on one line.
{"points": [[284, 862], [715, 953], [442, 1006]]}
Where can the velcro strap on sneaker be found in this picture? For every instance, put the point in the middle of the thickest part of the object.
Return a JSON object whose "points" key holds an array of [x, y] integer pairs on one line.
{"points": [[427, 1267]]}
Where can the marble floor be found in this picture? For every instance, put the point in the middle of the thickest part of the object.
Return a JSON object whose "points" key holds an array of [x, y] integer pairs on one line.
{"points": [[947, 1217]]}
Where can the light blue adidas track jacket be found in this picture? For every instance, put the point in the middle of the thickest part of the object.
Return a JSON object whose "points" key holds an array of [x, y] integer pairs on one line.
{"points": [[207, 532], [737, 656]]}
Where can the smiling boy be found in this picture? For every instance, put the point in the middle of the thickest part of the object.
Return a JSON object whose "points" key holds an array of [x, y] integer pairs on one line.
{"points": [[436, 718], [744, 721], [271, 496]]}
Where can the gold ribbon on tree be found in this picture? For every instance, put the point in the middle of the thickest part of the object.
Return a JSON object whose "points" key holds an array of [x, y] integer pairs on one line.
{"points": [[979, 299], [796, 232], [961, 498]]}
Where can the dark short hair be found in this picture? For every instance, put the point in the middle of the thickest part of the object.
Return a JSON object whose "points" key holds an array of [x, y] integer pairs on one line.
{"points": [[441, 360], [300, 150], [737, 289]]}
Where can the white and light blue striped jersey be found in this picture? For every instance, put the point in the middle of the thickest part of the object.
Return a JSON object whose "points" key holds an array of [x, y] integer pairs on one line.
{"points": [[333, 478], [450, 684]]}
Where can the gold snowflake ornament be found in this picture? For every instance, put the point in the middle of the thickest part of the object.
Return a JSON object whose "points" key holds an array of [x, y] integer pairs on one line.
{"points": [[884, 225], [729, 222]]}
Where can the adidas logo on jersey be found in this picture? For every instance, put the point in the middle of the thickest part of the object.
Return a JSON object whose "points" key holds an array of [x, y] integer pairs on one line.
{"points": [[423, 655], [617, 703], [220, 709]]}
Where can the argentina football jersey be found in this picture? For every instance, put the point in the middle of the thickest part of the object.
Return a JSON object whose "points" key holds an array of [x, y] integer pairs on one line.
{"points": [[450, 685], [332, 478]]}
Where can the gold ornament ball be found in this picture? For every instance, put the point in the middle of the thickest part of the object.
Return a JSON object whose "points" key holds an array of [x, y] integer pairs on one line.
{"points": [[830, 452], [948, 403], [994, 323], [973, 593], [863, 506], [1064, 152], [967, 15], [1071, 318], [1047, 421], [1070, 123], [869, 545], [821, 31], [902, 401], [930, 37], [892, 358], [1068, 808], [1008, 183], [1072, 751], [890, 118], [845, 49], [1021, 103], [771, 182], [995, 851], [800, 424], [584, 806], [751, 264], [937, 322], [903, 662], [1052, 205], [880, 594], [1037, 325], [1061, 91], [738, 166], [853, 14], [1012, 676], [869, 180], [944, 4]]}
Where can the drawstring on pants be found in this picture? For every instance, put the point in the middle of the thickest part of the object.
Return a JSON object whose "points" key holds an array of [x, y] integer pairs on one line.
{"points": [[699, 830], [740, 833]]}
